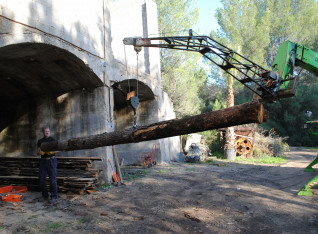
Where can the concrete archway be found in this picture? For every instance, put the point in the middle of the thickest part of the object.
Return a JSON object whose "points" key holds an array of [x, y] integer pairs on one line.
{"points": [[147, 112], [31, 70], [122, 88], [35, 69], [41, 84]]}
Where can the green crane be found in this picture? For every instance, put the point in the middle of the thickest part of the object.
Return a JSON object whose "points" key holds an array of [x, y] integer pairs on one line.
{"points": [[306, 190], [291, 55], [269, 84]]}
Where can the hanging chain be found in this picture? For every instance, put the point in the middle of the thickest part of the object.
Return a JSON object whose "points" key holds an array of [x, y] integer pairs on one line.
{"points": [[128, 80], [137, 74], [127, 69], [137, 89]]}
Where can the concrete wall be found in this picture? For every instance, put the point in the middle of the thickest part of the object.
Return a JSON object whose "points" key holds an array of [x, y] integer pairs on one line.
{"points": [[78, 22], [172, 145], [82, 29], [93, 33], [139, 21], [131, 153], [130, 19], [168, 149]]}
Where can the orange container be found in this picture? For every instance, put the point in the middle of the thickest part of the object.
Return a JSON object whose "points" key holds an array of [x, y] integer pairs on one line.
{"points": [[6, 189], [12, 198], [19, 189], [13, 189], [9, 193]]}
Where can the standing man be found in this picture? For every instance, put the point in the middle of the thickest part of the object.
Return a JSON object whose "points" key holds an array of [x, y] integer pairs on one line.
{"points": [[48, 164]]}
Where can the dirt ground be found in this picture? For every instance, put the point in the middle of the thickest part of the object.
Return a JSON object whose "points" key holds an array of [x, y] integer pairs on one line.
{"points": [[223, 197]]}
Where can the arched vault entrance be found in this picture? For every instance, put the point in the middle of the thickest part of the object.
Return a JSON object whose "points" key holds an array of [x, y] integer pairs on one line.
{"points": [[28, 71], [44, 85], [147, 112], [35, 69], [122, 88]]}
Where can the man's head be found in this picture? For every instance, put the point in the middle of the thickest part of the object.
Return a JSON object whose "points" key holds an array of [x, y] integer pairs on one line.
{"points": [[46, 132]]}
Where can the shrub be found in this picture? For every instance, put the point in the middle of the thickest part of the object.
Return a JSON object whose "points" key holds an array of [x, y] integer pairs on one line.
{"points": [[212, 139], [269, 142], [265, 143]]}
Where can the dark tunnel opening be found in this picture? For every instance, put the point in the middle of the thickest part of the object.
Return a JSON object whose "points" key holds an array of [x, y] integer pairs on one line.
{"points": [[29, 71], [123, 88]]}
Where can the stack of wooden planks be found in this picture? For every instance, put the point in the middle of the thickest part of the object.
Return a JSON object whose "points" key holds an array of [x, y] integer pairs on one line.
{"points": [[74, 174]]}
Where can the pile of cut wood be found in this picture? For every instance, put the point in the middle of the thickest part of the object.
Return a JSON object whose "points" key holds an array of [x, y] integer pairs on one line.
{"points": [[75, 174]]}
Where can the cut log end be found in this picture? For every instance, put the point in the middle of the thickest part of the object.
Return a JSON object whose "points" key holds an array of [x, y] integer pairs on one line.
{"points": [[262, 114]]}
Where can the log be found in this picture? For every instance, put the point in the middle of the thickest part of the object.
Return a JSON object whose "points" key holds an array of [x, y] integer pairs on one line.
{"points": [[251, 112]]}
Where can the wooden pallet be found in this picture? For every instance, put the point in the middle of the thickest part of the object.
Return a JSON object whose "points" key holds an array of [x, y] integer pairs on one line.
{"points": [[75, 174]]}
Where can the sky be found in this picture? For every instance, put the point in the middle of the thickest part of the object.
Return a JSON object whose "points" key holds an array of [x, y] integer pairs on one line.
{"points": [[207, 21]]}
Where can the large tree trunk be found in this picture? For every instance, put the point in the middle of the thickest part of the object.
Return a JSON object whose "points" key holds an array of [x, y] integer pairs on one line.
{"points": [[252, 112], [229, 135], [229, 147]]}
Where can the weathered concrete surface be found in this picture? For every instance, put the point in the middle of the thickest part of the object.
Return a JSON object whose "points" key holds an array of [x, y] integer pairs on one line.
{"points": [[61, 24], [58, 61], [77, 113], [135, 18], [158, 109], [172, 149], [167, 149], [131, 153]]}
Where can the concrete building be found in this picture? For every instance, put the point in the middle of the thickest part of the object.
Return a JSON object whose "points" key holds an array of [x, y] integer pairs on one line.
{"points": [[58, 63]]}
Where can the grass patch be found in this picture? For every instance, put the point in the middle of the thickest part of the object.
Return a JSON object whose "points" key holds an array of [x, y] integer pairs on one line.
{"points": [[128, 176], [51, 227], [314, 148], [265, 159], [209, 161], [54, 225], [80, 220], [145, 172], [190, 169], [164, 171], [105, 186], [218, 154], [84, 220], [33, 217]]}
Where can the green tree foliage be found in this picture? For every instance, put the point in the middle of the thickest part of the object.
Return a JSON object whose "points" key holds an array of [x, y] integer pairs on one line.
{"points": [[181, 82], [176, 15], [258, 27], [180, 73], [243, 28], [287, 116]]}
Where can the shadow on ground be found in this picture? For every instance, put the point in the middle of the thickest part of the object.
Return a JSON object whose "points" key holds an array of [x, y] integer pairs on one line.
{"points": [[182, 198]]}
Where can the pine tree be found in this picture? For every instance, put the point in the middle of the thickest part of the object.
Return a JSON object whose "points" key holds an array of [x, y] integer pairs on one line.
{"points": [[180, 73], [258, 27]]}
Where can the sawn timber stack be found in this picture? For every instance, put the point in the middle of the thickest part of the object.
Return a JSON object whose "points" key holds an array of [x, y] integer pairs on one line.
{"points": [[74, 174], [251, 112]]}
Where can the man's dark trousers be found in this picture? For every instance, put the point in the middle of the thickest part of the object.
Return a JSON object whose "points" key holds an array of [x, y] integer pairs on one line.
{"points": [[48, 166]]}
